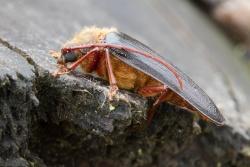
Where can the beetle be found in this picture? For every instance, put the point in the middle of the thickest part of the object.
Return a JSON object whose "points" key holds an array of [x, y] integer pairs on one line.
{"points": [[128, 64]]}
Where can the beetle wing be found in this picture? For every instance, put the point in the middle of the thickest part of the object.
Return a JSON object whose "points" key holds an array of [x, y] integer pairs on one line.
{"points": [[191, 92]]}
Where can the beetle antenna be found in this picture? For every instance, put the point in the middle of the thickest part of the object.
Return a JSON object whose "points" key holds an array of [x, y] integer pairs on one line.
{"points": [[159, 60]]}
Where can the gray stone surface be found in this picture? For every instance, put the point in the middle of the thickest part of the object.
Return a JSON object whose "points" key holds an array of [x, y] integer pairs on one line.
{"points": [[16, 101], [68, 120]]}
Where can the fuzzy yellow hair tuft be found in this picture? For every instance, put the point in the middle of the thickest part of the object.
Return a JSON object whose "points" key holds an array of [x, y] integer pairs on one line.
{"points": [[89, 35]]}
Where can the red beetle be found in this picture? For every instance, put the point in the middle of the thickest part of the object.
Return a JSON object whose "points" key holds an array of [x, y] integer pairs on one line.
{"points": [[128, 64]]}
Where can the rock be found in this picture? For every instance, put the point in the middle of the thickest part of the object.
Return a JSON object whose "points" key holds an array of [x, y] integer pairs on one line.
{"points": [[68, 121], [16, 101]]}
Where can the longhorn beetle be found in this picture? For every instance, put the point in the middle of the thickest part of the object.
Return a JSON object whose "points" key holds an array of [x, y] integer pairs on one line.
{"points": [[128, 64]]}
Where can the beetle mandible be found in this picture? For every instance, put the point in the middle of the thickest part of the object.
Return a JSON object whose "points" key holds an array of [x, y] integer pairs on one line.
{"points": [[128, 64]]}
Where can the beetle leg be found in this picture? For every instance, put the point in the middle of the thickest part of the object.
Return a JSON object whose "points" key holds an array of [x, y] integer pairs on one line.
{"points": [[158, 101], [79, 61], [112, 81], [63, 69], [153, 91], [150, 91]]}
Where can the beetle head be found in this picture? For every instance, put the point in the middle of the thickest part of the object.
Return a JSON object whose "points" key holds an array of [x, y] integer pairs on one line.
{"points": [[67, 56]]}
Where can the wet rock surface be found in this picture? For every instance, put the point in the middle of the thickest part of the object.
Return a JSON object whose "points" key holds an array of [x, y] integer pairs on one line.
{"points": [[68, 121]]}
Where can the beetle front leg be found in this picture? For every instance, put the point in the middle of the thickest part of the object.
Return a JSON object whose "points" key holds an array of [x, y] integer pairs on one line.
{"points": [[112, 81], [63, 69], [79, 61]]}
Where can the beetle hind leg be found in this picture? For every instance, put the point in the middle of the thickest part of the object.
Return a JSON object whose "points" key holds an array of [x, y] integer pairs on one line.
{"points": [[112, 81], [150, 91]]}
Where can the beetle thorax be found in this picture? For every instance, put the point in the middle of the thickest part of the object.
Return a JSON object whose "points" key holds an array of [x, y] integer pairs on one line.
{"points": [[89, 35]]}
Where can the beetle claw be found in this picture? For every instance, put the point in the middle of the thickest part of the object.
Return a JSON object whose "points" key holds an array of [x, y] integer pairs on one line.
{"points": [[61, 71], [112, 91]]}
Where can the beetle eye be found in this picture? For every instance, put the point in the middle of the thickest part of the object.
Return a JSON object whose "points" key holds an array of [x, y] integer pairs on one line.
{"points": [[70, 57]]}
